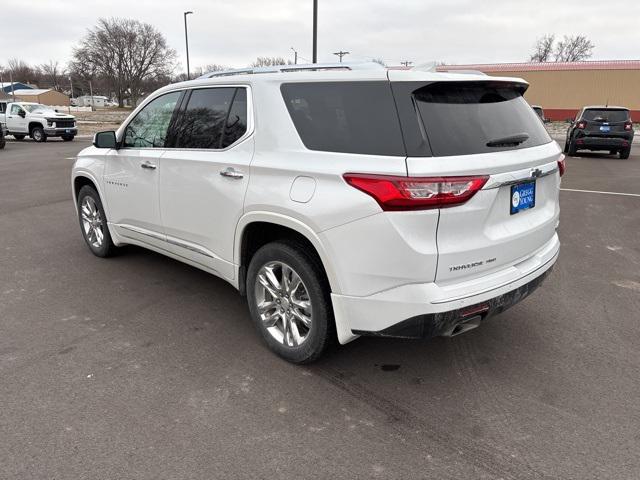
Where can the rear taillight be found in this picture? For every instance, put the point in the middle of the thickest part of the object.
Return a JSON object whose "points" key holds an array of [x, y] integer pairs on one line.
{"points": [[628, 126], [562, 166], [416, 193], [581, 125]]}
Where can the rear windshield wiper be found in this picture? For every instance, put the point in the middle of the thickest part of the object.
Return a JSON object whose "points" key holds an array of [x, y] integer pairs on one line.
{"points": [[510, 141]]}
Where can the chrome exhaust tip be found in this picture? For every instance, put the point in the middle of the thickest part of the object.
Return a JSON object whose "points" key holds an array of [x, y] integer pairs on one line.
{"points": [[463, 326]]}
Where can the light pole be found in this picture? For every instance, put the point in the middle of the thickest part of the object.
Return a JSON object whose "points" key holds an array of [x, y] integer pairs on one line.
{"points": [[295, 56], [315, 31], [186, 42]]}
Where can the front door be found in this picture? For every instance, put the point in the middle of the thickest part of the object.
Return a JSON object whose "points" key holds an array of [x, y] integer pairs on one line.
{"points": [[132, 173], [16, 119], [204, 178]]}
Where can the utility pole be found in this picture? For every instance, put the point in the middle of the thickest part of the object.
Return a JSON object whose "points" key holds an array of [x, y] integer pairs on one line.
{"points": [[13, 93], [341, 54], [406, 63], [315, 31], [186, 42], [91, 93], [295, 57], [71, 83]]}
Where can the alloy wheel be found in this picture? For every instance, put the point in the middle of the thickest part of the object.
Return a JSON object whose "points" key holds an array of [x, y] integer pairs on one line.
{"points": [[283, 304], [92, 224]]}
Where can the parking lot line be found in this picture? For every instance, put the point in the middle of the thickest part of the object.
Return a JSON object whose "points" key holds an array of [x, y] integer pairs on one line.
{"points": [[597, 191]]}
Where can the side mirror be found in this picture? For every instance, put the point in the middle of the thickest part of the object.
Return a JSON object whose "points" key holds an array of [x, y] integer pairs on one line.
{"points": [[22, 113], [105, 139]]}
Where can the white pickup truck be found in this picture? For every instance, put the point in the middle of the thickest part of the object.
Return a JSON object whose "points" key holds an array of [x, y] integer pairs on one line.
{"points": [[38, 121]]}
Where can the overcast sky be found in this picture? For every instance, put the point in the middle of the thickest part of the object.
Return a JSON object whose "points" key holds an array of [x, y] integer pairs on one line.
{"points": [[235, 32]]}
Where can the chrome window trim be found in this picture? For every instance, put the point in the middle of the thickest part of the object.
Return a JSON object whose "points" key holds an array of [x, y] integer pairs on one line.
{"points": [[247, 134]]}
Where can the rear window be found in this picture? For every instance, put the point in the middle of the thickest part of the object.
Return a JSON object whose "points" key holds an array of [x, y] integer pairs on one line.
{"points": [[348, 117], [605, 115], [464, 118]]}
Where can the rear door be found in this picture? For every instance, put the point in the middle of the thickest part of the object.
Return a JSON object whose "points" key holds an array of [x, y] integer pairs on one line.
{"points": [[483, 128], [205, 174]]}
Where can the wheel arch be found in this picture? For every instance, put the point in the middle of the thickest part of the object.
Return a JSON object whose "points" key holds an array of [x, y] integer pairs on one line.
{"points": [[258, 228], [81, 179], [33, 124]]}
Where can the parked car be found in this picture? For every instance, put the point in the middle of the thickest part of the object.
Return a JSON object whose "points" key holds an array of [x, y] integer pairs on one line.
{"points": [[38, 121], [540, 112], [2, 140], [342, 201], [601, 128]]}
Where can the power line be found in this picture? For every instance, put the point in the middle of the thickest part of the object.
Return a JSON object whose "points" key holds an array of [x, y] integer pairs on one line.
{"points": [[341, 54]]}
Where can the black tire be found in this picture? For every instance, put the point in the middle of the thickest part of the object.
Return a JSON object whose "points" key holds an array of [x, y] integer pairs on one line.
{"points": [[18, 137], [624, 153], [68, 138], [38, 135], [572, 149], [106, 248], [321, 333], [3, 142]]}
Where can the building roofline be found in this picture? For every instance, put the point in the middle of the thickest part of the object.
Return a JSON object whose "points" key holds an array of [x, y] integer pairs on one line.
{"points": [[547, 66]]}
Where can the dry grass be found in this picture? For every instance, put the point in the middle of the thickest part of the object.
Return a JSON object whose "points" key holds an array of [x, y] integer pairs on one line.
{"points": [[102, 119]]}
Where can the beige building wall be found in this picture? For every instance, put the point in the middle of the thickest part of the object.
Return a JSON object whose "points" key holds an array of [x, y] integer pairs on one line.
{"points": [[50, 97], [573, 89]]}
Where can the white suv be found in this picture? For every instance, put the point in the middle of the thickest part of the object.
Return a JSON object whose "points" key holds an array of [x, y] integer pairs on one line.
{"points": [[341, 201]]}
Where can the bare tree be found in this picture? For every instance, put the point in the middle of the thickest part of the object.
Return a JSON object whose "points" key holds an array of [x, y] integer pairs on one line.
{"points": [[213, 67], [574, 49], [380, 61], [270, 61], [21, 71], [52, 73], [126, 52], [544, 49]]}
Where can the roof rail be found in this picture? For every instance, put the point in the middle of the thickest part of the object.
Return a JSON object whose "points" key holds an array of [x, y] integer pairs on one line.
{"points": [[464, 72], [294, 68]]}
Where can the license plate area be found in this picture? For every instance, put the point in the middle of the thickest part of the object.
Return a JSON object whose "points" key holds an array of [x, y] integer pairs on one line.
{"points": [[523, 197], [605, 128]]}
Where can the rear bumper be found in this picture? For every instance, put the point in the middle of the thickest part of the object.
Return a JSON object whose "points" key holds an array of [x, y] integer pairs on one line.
{"points": [[427, 310], [445, 323], [603, 143]]}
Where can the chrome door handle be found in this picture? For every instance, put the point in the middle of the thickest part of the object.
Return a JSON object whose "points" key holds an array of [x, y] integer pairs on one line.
{"points": [[231, 173], [148, 165]]}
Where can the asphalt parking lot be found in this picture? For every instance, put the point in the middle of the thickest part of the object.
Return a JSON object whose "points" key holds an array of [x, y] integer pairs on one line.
{"points": [[141, 367]]}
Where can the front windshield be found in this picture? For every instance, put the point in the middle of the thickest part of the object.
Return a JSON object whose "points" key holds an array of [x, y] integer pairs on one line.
{"points": [[32, 108]]}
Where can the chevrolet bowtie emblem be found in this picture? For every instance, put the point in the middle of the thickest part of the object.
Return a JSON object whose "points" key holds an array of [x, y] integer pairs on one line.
{"points": [[536, 172]]}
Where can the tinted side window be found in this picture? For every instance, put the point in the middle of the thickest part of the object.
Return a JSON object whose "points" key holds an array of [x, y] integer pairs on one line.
{"points": [[348, 117], [201, 124], [236, 125], [150, 125]]}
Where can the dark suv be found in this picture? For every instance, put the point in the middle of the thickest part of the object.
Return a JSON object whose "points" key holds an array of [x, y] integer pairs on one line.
{"points": [[601, 128]]}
